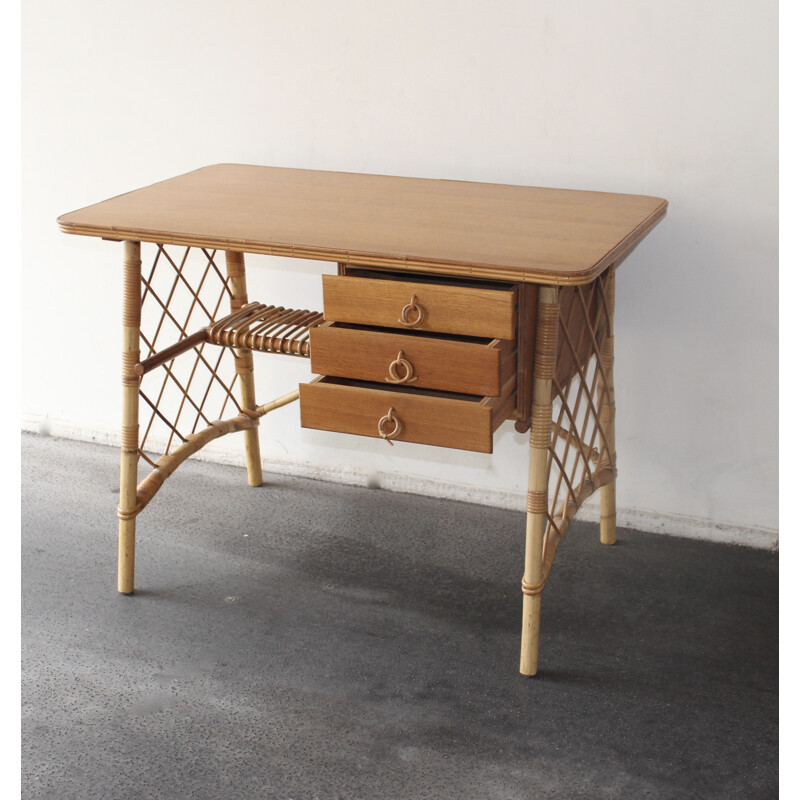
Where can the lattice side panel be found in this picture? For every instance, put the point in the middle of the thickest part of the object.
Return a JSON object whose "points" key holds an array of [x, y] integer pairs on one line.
{"points": [[183, 291], [582, 457]]}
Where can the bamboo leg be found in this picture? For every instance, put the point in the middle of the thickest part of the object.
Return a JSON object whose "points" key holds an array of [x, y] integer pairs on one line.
{"points": [[607, 413], [540, 436], [129, 451], [244, 368]]}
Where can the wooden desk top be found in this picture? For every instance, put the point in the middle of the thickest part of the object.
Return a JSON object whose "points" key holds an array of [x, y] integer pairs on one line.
{"points": [[482, 230]]}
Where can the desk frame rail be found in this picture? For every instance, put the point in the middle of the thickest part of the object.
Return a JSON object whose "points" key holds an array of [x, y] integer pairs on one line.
{"points": [[180, 402], [572, 432]]}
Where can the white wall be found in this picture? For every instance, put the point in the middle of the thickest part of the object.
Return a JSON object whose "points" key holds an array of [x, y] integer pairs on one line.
{"points": [[671, 99]]}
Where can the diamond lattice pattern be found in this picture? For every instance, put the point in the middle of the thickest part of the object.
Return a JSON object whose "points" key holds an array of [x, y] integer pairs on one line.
{"points": [[582, 455], [182, 292]]}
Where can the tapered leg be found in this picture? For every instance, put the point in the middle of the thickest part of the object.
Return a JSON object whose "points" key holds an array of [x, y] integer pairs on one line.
{"points": [[540, 437], [244, 368], [129, 454], [606, 413], [536, 521]]}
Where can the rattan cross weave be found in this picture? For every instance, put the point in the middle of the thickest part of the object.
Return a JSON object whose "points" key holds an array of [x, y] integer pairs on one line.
{"points": [[455, 306]]}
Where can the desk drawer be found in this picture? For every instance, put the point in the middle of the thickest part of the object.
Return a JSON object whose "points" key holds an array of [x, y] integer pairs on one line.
{"points": [[404, 415], [474, 366], [425, 306]]}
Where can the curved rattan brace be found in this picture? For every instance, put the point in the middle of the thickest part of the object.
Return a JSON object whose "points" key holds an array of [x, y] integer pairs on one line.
{"points": [[556, 530], [168, 463], [604, 476]]}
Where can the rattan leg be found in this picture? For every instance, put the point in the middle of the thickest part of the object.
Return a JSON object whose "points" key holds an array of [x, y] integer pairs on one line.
{"points": [[538, 473], [244, 368], [129, 451], [607, 413], [608, 513]]}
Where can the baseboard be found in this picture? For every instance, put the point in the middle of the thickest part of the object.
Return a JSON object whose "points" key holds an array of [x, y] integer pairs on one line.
{"points": [[636, 519]]}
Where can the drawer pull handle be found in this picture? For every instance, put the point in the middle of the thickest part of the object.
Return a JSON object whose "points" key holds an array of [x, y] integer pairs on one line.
{"points": [[408, 370], [384, 421], [412, 309]]}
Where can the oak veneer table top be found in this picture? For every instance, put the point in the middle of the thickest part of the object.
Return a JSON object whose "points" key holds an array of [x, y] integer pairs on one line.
{"points": [[483, 230]]}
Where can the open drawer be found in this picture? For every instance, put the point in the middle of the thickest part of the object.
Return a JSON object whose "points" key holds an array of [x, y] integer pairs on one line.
{"points": [[419, 360], [422, 305], [401, 414]]}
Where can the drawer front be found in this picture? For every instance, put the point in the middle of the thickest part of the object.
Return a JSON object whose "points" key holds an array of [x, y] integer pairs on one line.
{"points": [[418, 361], [444, 308], [403, 415]]}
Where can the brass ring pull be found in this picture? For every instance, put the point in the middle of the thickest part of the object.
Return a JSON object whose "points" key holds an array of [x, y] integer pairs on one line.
{"points": [[384, 421], [408, 310], [408, 370]]}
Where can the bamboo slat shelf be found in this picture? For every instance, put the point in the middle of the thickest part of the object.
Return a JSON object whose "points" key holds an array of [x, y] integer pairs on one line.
{"points": [[255, 326], [267, 329], [479, 303]]}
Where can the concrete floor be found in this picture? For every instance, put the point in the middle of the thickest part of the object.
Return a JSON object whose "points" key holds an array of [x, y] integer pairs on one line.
{"points": [[307, 640]]}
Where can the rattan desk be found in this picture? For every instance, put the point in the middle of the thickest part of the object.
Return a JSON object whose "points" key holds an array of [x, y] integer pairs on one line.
{"points": [[456, 306]]}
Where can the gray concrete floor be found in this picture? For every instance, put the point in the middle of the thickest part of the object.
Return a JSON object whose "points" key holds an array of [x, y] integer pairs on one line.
{"points": [[307, 640]]}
